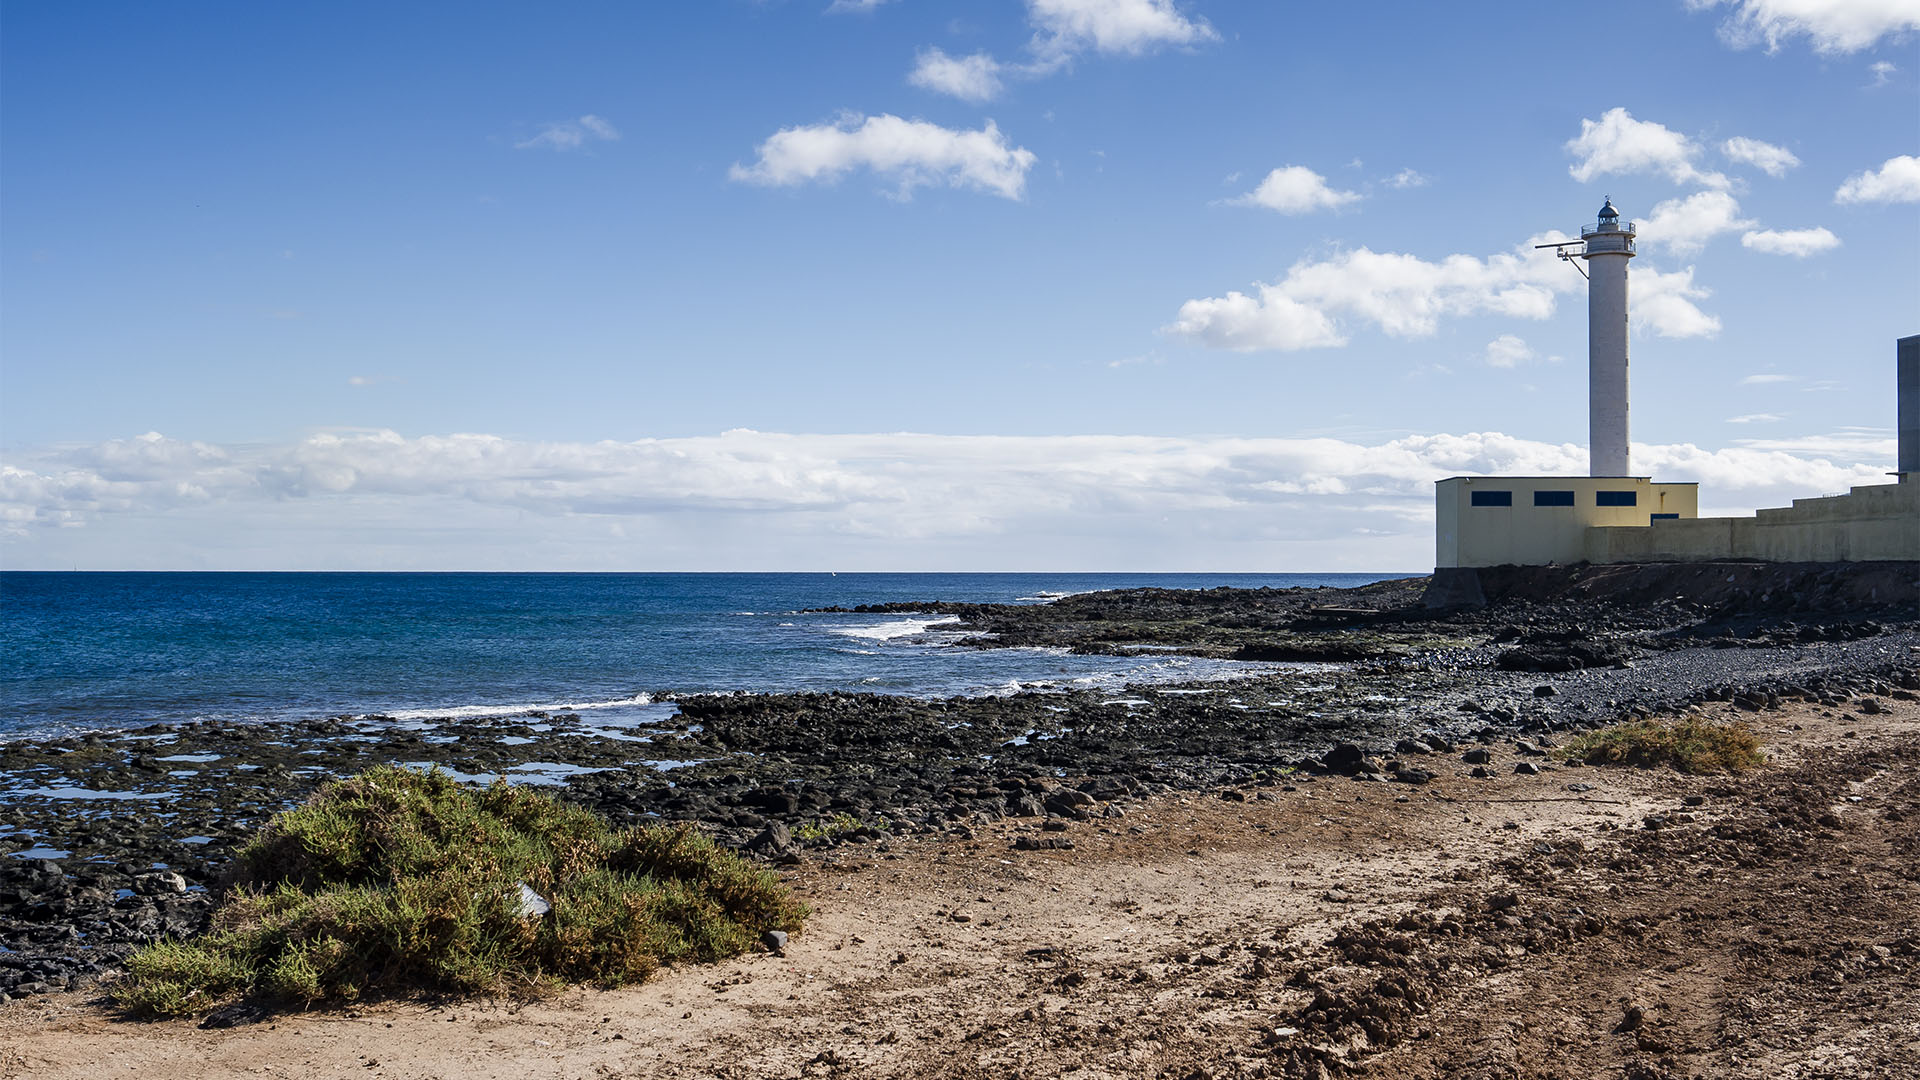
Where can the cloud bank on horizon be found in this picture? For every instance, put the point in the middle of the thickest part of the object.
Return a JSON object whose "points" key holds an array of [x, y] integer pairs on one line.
{"points": [[910, 500]]}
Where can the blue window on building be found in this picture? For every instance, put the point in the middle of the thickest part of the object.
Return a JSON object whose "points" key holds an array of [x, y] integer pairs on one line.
{"points": [[1493, 498], [1553, 498], [1666, 517], [1615, 498]]}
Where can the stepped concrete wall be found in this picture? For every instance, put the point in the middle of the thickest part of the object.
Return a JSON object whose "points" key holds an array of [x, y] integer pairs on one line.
{"points": [[1879, 523]]}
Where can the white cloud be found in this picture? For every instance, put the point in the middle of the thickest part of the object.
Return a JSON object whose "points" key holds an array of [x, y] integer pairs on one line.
{"points": [[1126, 27], [854, 7], [1407, 178], [973, 78], [1617, 143], [377, 499], [1768, 158], [1663, 303], [1762, 380], [1882, 71], [1508, 351], [1796, 242], [1272, 321], [571, 135], [1403, 295], [1896, 181], [1684, 226], [1834, 26], [1756, 418], [1407, 296], [912, 153], [1295, 189]]}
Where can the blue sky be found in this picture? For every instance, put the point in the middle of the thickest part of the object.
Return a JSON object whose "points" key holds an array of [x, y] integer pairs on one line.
{"points": [[1055, 284]]}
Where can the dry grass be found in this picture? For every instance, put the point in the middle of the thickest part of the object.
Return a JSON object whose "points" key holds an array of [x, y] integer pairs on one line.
{"points": [[1691, 745]]}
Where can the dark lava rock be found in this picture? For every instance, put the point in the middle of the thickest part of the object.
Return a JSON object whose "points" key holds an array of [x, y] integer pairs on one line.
{"points": [[774, 841], [1479, 755], [1563, 656], [234, 1016], [1345, 758]]}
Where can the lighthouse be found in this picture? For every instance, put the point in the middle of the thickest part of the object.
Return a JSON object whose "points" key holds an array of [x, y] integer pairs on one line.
{"points": [[1609, 247], [1612, 516]]}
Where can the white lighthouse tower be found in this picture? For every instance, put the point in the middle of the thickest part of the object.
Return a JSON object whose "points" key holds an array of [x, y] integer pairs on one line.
{"points": [[1609, 247]]}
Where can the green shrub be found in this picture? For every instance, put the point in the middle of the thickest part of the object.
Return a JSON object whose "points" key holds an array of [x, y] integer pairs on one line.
{"points": [[840, 824], [398, 882], [1691, 745]]}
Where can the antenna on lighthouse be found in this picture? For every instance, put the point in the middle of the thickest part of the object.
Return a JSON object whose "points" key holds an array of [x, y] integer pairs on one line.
{"points": [[1571, 257]]}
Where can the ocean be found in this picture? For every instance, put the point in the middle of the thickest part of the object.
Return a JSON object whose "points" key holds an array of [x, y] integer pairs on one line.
{"points": [[112, 650]]}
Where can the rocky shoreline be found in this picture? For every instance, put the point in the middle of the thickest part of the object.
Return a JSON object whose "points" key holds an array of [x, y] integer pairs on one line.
{"points": [[122, 837]]}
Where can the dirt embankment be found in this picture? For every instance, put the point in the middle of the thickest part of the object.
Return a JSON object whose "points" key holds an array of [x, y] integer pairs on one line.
{"points": [[1578, 922]]}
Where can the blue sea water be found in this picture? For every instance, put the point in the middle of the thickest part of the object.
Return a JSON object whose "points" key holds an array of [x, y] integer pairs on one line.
{"points": [[90, 650]]}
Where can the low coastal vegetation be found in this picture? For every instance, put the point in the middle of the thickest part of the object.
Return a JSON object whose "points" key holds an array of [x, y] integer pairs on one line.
{"points": [[399, 882], [839, 826], [1692, 744]]}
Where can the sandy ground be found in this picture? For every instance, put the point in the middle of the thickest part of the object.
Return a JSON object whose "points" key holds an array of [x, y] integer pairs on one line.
{"points": [[1766, 925]]}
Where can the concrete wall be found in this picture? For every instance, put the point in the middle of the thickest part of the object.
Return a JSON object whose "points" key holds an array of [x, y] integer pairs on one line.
{"points": [[1869, 524], [1529, 535], [1907, 406]]}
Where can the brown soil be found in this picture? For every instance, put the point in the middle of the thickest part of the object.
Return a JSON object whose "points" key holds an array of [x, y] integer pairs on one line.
{"points": [[1653, 925]]}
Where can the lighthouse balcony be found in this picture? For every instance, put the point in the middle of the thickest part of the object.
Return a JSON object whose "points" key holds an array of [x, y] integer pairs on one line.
{"points": [[1609, 225], [1609, 241]]}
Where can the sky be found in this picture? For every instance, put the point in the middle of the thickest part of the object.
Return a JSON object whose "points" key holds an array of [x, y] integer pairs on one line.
{"points": [[903, 285]]}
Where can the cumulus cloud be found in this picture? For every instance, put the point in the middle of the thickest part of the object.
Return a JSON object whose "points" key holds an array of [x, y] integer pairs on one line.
{"points": [[1618, 144], [1768, 158], [964, 501], [1882, 71], [1799, 243], [1269, 321], [1403, 295], [973, 78], [1684, 226], [910, 153], [1508, 351], [1663, 303], [1406, 296], [1124, 27], [1063, 29], [1834, 26], [1296, 189], [571, 135], [1407, 178], [1897, 181]]}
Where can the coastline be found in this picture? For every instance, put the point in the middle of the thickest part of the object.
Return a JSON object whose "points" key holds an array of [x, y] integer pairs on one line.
{"points": [[827, 783], [1651, 925]]}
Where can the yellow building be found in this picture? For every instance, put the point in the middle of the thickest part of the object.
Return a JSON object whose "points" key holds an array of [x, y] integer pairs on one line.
{"points": [[1536, 520]]}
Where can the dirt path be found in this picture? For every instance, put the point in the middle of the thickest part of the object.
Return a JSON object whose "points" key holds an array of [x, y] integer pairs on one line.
{"points": [[1522, 926]]}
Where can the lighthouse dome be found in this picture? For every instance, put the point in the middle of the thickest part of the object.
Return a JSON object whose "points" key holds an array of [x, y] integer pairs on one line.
{"points": [[1608, 211]]}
